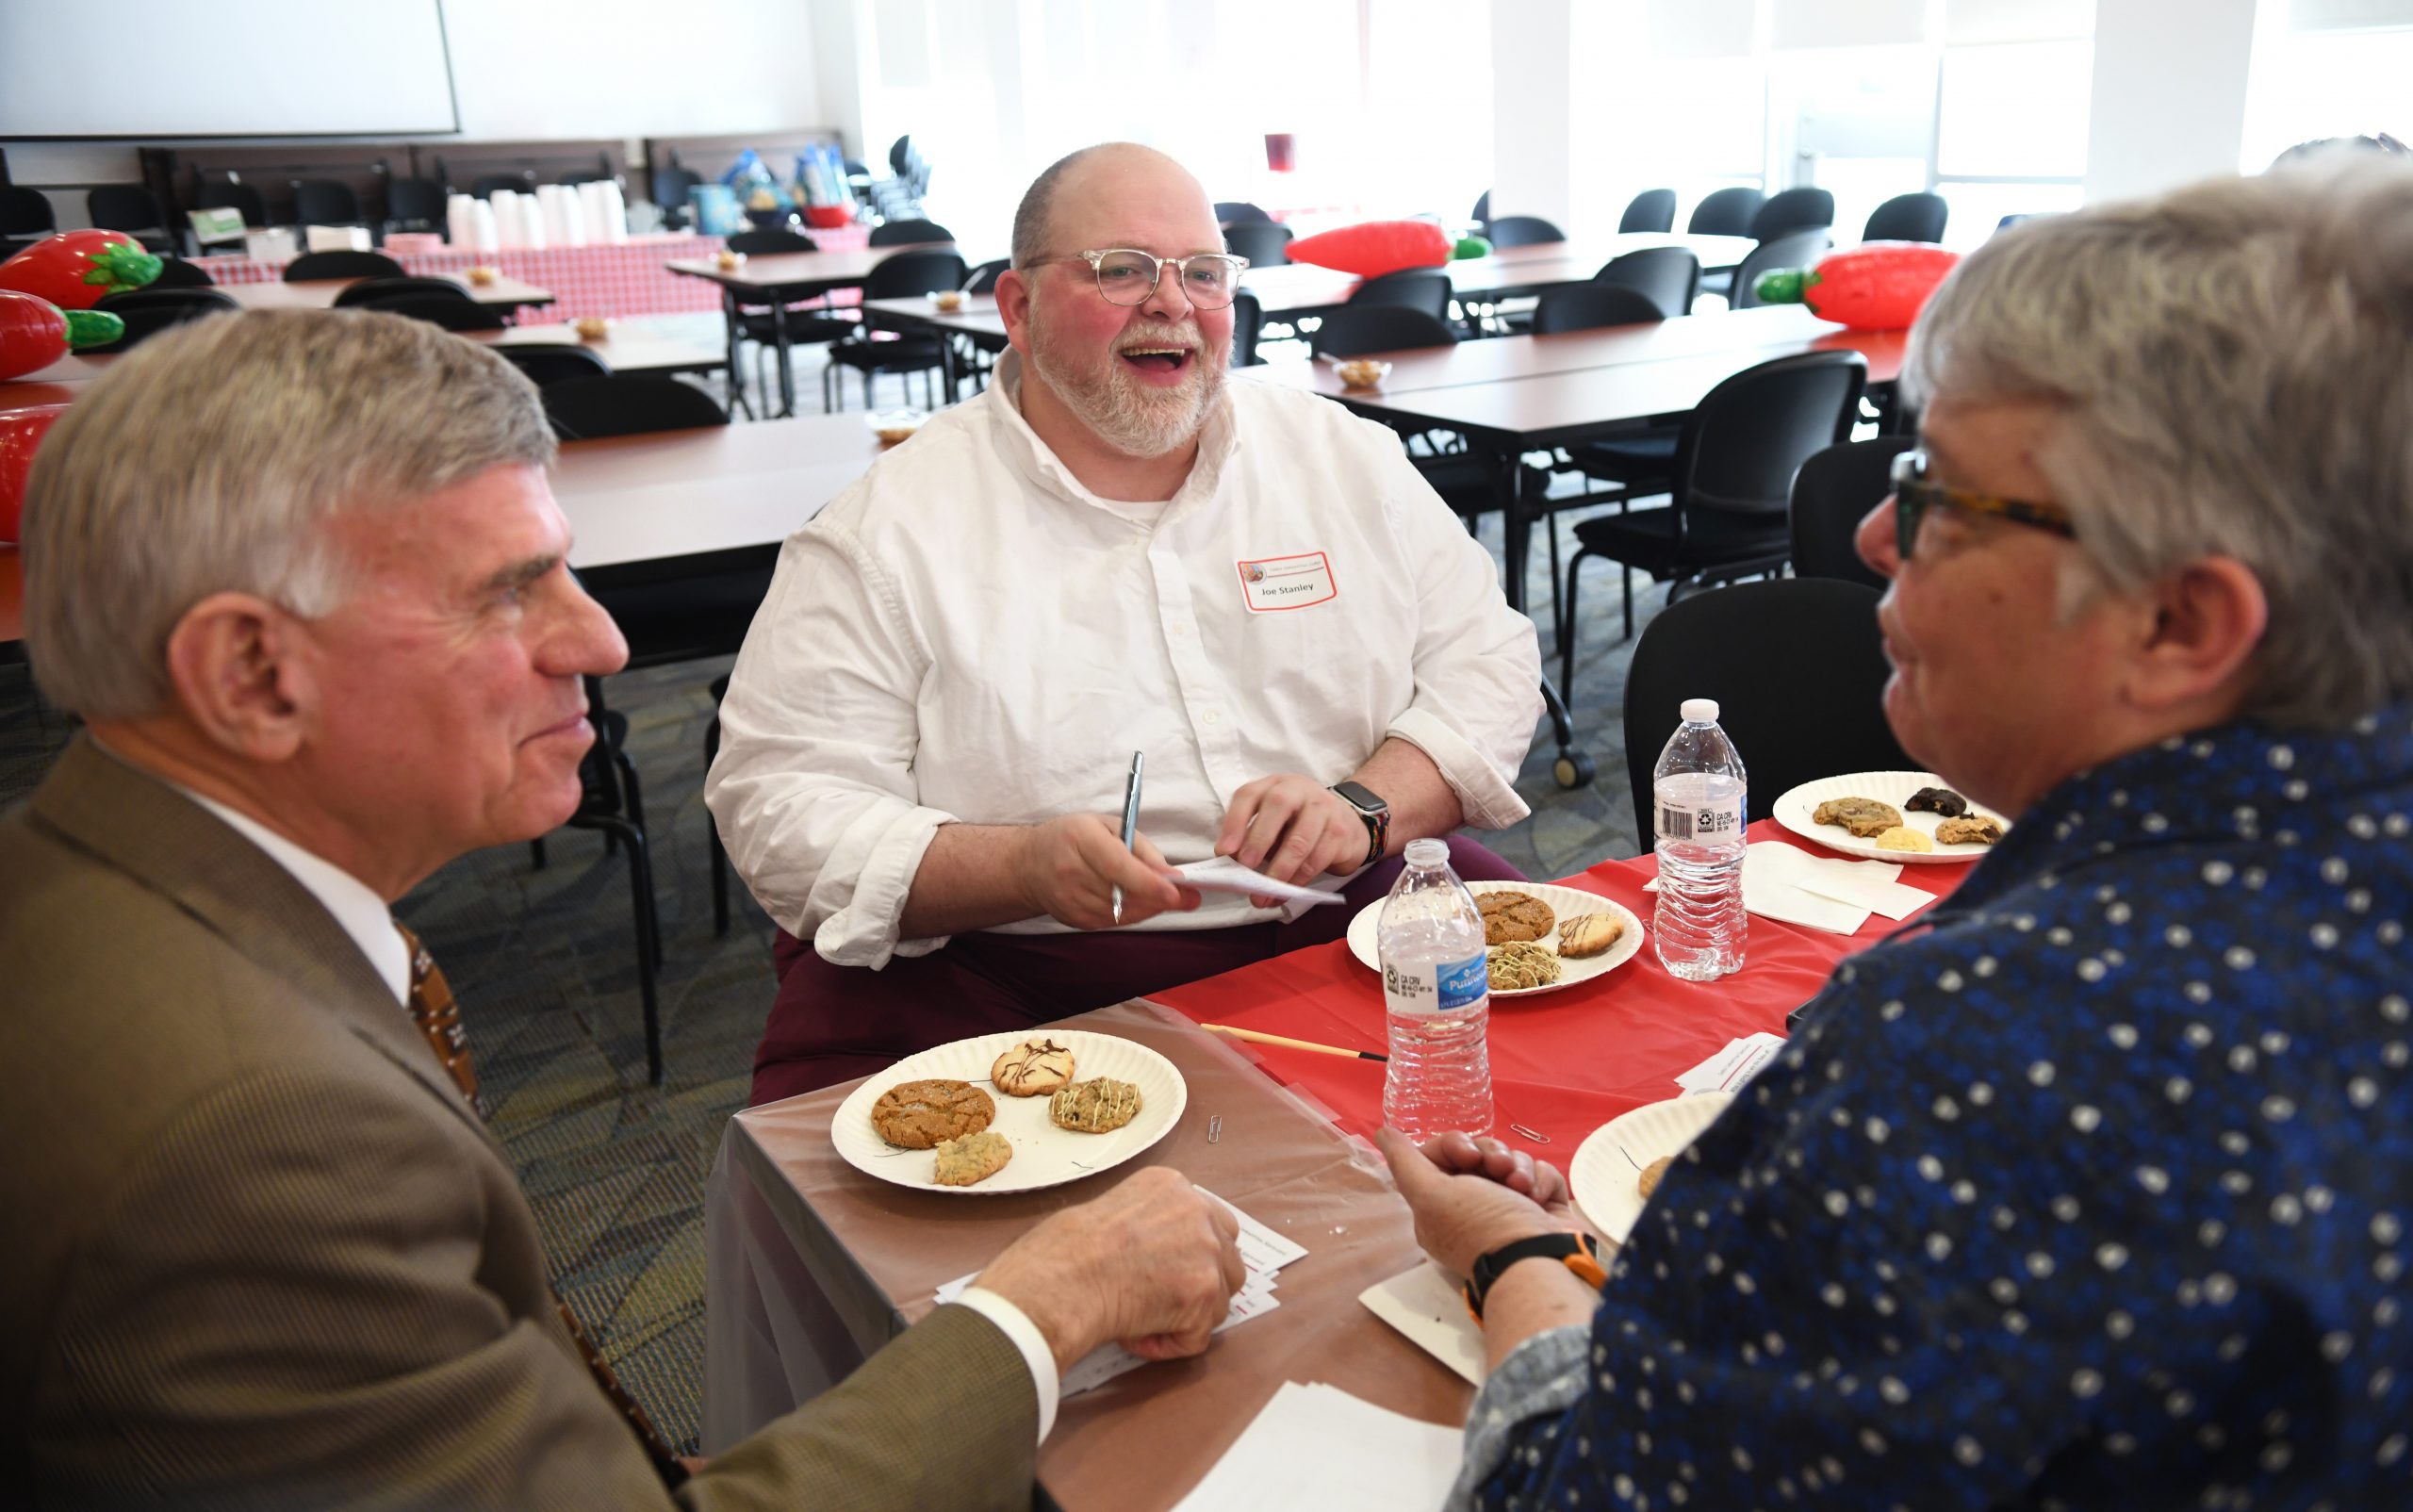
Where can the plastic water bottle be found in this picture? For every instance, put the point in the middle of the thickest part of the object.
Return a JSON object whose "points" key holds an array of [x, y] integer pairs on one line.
{"points": [[1697, 824], [1436, 984]]}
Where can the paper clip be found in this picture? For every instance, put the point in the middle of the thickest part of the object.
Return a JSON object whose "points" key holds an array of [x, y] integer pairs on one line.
{"points": [[1534, 1134], [1215, 1129]]}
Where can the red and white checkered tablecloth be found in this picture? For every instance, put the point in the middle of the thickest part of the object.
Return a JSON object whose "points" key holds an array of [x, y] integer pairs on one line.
{"points": [[615, 279]]}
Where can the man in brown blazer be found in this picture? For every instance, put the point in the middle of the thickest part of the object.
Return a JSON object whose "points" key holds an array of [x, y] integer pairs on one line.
{"points": [[303, 577]]}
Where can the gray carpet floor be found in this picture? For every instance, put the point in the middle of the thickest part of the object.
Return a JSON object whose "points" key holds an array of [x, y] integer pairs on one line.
{"points": [[545, 967]]}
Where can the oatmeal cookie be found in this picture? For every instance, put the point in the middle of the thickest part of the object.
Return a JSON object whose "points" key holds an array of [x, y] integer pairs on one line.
{"points": [[1902, 837], [1522, 963], [1652, 1175], [1509, 918], [915, 1115], [972, 1159], [1970, 828], [1097, 1106], [1588, 934], [1032, 1069], [1861, 816]]}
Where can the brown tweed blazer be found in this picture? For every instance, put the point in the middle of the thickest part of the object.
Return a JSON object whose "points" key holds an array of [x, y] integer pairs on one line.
{"points": [[261, 1255]]}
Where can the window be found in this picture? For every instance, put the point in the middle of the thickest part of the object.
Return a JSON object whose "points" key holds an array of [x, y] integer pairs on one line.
{"points": [[2309, 85], [2011, 133]]}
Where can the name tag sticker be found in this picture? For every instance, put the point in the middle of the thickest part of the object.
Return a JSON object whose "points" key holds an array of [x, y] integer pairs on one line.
{"points": [[1271, 583]]}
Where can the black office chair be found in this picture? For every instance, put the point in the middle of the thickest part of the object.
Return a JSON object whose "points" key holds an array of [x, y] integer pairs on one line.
{"points": [[1798, 249], [610, 803], [1356, 330], [149, 311], [325, 201], [1803, 208], [127, 207], [1651, 210], [770, 241], [452, 312], [554, 364], [1264, 243], [415, 204], [1227, 211], [584, 409], [1587, 306], [909, 233], [317, 265], [983, 279], [807, 324], [1730, 483], [241, 198], [1248, 321], [902, 276], [376, 291], [1908, 218], [1522, 231], [670, 186], [1669, 277], [523, 183], [25, 214], [1726, 213], [1799, 671], [1416, 288], [1832, 494], [1482, 212], [174, 272]]}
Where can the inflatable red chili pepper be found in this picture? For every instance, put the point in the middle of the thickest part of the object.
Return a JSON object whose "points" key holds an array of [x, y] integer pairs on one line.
{"points": [[1878, 285], [34, 333], [74, 269]]}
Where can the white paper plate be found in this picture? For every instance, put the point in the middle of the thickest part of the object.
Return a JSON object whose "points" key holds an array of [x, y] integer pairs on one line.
{"points": [[1044, 1155], [1793, 811], [1566, 901], [1607, 1164]]}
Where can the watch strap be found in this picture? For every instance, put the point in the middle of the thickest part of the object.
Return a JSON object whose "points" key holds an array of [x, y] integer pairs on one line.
{"points": [[1580, 1253], [1377, 818]]}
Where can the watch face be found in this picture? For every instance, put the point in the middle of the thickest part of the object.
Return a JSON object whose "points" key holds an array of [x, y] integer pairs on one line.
{"points": [[1360, 798]]}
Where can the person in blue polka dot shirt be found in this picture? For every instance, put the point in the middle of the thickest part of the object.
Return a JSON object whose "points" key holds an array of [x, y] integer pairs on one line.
{"points": [[2092, 1187]]}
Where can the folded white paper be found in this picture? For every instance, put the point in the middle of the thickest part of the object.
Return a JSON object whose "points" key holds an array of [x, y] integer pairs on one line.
{"points": [[1316, 1447], [1221, 873], [1425, 1306], [1730, 1068]]}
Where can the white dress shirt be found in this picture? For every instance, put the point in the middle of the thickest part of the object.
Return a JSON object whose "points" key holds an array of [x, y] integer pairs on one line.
{"points": [[969, 634]]}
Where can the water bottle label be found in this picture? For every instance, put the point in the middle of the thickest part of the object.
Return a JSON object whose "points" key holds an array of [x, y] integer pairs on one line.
{"points": [[1464, 983], [1442, 988], [1703, 822]]}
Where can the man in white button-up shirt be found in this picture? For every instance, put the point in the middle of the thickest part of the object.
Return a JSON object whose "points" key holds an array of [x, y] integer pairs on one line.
{"points": [[1111, 549]]}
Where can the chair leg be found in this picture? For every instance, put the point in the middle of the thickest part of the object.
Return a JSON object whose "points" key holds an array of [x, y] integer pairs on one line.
{"points": [[648, 928], [1566, 628], [720, 853], [1550, 523], [1628, 603]]}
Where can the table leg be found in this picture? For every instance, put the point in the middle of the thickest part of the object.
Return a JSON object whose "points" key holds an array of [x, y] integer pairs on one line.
{"points": [[1516, 531], [736, 374], [948, 368]]}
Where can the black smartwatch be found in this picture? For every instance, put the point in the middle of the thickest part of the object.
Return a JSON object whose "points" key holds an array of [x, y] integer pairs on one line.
{"points": [[1371, 809], [1577, 1251]]}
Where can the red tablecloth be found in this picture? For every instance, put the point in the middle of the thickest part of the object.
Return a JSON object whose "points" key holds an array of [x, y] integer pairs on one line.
{"points": [[1562, 1063]]}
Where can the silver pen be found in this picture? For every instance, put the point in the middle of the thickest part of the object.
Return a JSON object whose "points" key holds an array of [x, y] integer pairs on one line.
{"points": [[1130, 819]]}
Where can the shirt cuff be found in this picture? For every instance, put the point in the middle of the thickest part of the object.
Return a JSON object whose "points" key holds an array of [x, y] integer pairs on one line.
{"points": [[1016, 1324], [1485, 797], [1542, 1375]]}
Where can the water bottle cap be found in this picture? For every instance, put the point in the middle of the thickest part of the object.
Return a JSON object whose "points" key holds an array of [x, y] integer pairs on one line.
{"points": [[1428, 852], [1701, 710]]}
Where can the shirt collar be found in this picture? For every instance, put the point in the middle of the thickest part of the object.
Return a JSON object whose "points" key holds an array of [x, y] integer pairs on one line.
{"points": [[1218, 439]]}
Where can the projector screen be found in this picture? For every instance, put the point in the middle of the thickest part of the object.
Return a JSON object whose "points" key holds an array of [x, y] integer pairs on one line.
{"points": [[232, 68]]}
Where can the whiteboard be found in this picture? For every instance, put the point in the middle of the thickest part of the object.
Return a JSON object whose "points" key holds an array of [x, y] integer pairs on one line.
{"points": [[232, 68]]}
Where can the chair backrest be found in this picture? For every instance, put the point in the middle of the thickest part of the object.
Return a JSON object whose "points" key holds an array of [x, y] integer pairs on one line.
{"points": [[1355, 330], [487, 184], [25, 212], [983, 279], [1418, 289], [415, 201], [315, 265], [1725, 212], [1834, 490], [152, 296], [1742, 444], [768, 241], [325, 201], [670, 186], [174, 272], [453, 313], [1264, 243], [905, 233], [554, 364], [1522, 231], [1797, 668], [1584, 307], [148, 311], [1248, 319], [1670, 277], [1800, 208], [1482, 212], [1228, 211], [627, 405], [229, 195], [914, 272], [1651, 210], [124, 207], [1908, 218], [1798, 249], [378, 291]]}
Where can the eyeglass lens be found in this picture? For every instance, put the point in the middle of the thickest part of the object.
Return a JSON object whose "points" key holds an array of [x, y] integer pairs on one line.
{"points": [[1208, 280]]}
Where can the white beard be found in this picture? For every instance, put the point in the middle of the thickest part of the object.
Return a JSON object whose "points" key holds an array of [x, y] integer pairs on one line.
{"points": [[1129, 416]]}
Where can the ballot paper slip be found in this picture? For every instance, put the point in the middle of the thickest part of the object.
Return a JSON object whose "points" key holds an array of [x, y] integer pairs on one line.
{"points": [[1221, 873], [1315, 1447], [1785, 882], [1427, 1306], [1730, 1068], [1263, 1252]]}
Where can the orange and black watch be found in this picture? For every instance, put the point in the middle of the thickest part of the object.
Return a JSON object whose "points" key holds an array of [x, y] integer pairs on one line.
{"points": [[1580, 1253]]}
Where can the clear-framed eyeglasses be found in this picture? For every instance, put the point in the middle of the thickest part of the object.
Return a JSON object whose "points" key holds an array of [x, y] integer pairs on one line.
{"points": [[1127, 276]]}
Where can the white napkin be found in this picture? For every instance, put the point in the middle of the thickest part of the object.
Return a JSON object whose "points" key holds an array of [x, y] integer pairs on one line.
{"points": [[1425, 1305], [1315, 1447], [1821, 891], [1730, 1068]]}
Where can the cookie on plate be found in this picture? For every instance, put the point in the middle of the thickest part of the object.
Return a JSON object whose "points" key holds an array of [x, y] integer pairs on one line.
{"points": [[1937, 801], [1970, 828], [916, 1115], [1097, 1106], [972, 1159], [1652, 1175], [1861, 816], [1520, 964], [1902, 837], [1511, 917], [1032, 1069], [1588, 934]]}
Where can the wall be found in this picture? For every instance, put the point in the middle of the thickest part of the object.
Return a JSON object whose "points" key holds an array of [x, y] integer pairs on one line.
{"points": [[2169, 97]]}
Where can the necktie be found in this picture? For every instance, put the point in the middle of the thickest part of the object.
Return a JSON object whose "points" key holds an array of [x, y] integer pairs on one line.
{"points": [[439, 1018]]}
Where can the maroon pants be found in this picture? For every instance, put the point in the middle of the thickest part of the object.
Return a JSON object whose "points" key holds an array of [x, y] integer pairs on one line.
{"points": [[832, 1024]]}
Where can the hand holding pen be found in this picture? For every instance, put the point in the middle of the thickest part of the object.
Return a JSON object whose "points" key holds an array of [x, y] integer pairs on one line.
{"points": [[1130, 818]]}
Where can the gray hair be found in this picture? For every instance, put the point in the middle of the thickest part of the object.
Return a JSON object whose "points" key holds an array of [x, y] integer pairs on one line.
{"points": [[210, 459], [2234, 377]]}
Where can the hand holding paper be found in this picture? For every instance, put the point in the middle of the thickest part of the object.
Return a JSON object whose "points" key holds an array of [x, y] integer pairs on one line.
{"points": [[1221, 873]]}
